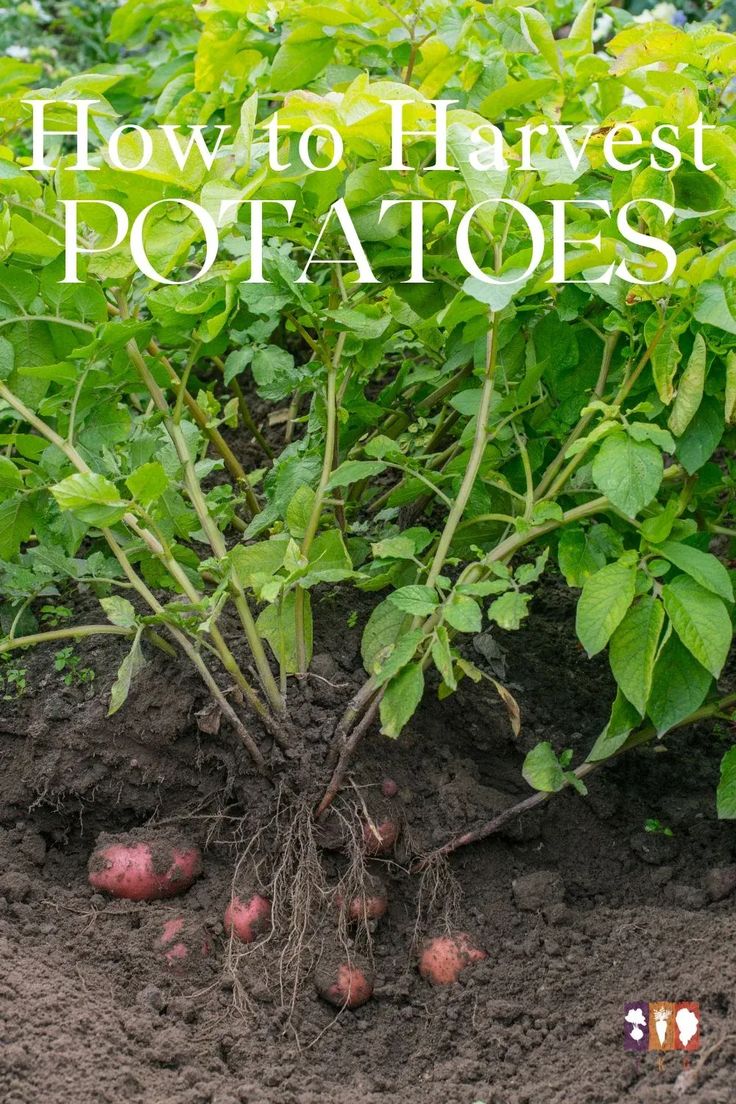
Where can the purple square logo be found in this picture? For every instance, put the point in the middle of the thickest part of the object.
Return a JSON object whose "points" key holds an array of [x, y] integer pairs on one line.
{"points": [[636, 1026]]}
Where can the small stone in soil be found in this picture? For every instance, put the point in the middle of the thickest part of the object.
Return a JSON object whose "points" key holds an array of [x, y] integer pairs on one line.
{"points": [[720, 882], [538, 890], [151, 997]]}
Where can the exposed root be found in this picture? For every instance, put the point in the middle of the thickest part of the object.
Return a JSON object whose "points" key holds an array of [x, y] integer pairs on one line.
{"points": [[438, 900], [298, 892]]}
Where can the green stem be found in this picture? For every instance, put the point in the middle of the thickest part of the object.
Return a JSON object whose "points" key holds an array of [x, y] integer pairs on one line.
{"points": [[213, 534], [74, 632], [319, 498], [474, 462]]}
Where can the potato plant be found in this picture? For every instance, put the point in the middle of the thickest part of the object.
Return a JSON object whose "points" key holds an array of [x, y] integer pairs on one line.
{"points": [[446, 441]]}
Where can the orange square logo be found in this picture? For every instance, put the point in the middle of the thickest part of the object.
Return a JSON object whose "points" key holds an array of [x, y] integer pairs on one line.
{"points": [[661, 1025]]}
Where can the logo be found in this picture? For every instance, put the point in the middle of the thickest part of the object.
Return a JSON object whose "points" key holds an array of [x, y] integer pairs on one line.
{"points": [[660, 1025]]}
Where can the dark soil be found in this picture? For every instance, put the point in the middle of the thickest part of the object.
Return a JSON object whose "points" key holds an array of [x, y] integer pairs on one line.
{"points": [[579, 908]]}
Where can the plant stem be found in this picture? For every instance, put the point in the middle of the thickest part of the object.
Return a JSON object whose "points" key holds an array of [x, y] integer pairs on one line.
{"points": [[474, 462], [245, 412], [213, 435], [213, 534], [73, 632], [328, 460], [550, 474]]}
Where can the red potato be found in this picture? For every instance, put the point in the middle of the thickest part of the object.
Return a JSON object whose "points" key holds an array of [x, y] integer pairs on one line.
{"points": [[181, 940], [344, 984], [370, 904], [442, 959], [389, 788], [247, 918], [380, 836], [143, 871]]}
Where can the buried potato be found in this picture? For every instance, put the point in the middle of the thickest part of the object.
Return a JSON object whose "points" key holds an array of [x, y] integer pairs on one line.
{"points": [[370, 902], [248, 916], [181, 941], [344, 982], [443, 958], [380, 835], [144, 866]]}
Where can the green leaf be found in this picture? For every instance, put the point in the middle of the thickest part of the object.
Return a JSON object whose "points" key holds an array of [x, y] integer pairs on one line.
{"points": [[680, 686], [7, 359], [10, 478], [510, 609], [726, 793], [701, 621], [420, 601], [382, 630], [131, 666], [542, 769], [659, 527], [277, 625], [690, 390], [702, 437], [539, 33], [119, 611], [148, 483], [463, 613], [701, 566], [730, 401], [665, 358], [16, 525], [251, 561], [298, 63], [628, 472], [399, 703], [329, 561], [91, 497], [711, 307], [393, 657], [633, 650], [603, 603], [579, 555], [622, 722], [394, 548], [299, 511], [354, 471], [442, 657]]}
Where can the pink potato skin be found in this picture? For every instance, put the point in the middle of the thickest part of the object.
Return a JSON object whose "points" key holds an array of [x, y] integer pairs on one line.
{"points": [[389, 788], [380, 838], [350, 989], [368, 907], [180, 940], [248, 919], [127, 870], [443, 959]]}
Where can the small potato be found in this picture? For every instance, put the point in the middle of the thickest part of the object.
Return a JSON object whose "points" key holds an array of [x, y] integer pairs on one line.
{"points": [[389, 788], [181, 941], [370, 904], [442, 959], [139, 870], [248, 917], [380, 836], [344, 984]]}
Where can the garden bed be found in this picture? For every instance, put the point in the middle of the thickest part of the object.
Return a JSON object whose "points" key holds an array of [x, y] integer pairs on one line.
{"points": [[92, 1012]]}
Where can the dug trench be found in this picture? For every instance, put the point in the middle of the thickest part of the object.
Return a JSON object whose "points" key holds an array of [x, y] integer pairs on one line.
{"points": [[579, 908]]}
